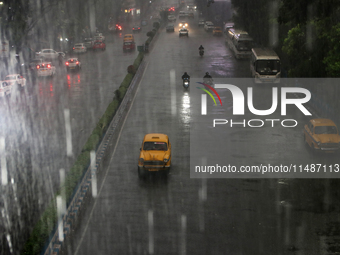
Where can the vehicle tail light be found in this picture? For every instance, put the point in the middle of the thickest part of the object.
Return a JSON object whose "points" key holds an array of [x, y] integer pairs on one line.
{"points": [[77, 62], [82, 47], [67, 63], [38, 66], [48, 66], [73, 47]]}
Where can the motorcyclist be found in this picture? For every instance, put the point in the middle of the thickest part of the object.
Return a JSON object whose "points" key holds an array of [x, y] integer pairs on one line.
{"points": [[201, 48], [207, 76], [185, 76]]}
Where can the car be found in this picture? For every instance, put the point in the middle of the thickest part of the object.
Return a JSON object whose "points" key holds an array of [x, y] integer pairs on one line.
{"points": [[99, 37], [183, 25], [201, 23], [89, 42], [209, 26], [136, 29], [129, 45], [73, 64], [182, 15], [79, 48], [129, 37], [171, 18], [170, 28], [15, 80], [217, 31], [155, 155], [46, 69], [183, 31], [5, 89], [33, 64], [49, 54], [99, 45], [190, 15], [322, 135]]}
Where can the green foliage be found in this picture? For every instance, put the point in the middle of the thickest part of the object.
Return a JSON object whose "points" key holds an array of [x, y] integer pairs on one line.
{"points": [[150, 34], [332, 57], [138, 60], [156, 25], [131, 69]]}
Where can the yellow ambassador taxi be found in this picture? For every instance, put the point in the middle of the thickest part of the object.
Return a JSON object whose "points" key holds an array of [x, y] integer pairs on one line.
{"points": [[322, 135], [155, 155]]}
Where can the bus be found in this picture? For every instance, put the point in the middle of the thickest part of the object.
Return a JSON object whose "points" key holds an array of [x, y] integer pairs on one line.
{"points": [[239, 42], [265, 65]]}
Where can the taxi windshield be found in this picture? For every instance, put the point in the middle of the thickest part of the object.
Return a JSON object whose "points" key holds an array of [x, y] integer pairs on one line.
{"points": [[325, 130], [156, 146]]}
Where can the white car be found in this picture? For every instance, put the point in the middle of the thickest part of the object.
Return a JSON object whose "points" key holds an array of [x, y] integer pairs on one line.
{"points": [[172, 18], [79, 48], [209, 26], [99, 37], [49, 54], [183, 31], [5, 89], [46, 69], [16, 80], [201, 23], [73, 64]]}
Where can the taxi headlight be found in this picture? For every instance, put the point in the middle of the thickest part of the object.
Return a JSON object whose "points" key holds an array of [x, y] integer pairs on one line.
{"points": [[318, 143], [166, 160], [141, 160]]}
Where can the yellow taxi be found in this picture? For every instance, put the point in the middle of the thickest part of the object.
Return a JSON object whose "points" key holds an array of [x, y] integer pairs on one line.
{"points": [[322, 135], [155, 155], [129, 37], [217, 31]]}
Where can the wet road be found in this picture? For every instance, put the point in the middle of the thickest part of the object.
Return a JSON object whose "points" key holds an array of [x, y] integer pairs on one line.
{"points": [[181, 215], [33, 130]]}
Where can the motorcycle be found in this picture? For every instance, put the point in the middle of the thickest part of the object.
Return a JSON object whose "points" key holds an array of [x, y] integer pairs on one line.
{"points": [[201, 53], [208, 81], [186, 83]]}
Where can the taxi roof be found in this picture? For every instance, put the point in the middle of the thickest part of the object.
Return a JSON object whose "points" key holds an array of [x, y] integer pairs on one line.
{"points": [[322, 122], [156, 137]]}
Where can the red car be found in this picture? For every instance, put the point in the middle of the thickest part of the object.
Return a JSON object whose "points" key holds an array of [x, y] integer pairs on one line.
{"points": [[99, 45], [129, 45]]}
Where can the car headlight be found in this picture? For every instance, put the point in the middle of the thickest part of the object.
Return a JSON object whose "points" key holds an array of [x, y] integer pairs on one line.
{"points": [[141, 160], [166, 160], [318, 143]]}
